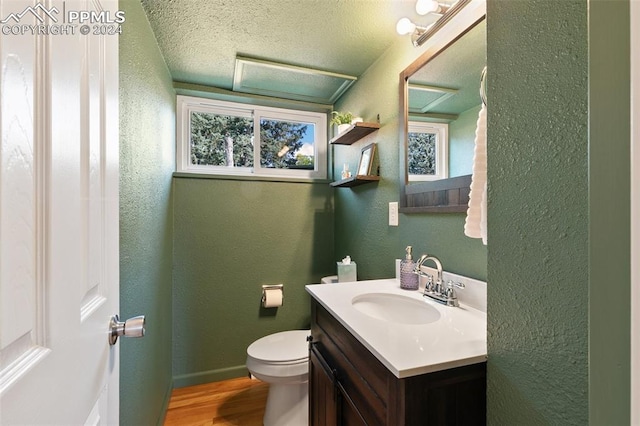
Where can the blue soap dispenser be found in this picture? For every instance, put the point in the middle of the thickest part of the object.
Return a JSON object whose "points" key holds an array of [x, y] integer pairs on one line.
{"points": [[408, 278]]}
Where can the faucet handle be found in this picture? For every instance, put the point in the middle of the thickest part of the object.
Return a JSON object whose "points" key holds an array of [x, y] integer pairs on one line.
{"points": [[450, 293], [428, 287], [451, 284]]}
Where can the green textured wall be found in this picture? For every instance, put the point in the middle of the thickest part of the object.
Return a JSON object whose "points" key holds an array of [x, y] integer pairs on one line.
{"points": [[147, 156], [230, 238], [462, 135], [538, 213], [609, 214], [558, 224], [362, 229]]}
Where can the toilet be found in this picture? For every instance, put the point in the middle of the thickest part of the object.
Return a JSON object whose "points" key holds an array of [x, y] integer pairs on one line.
{"points": [[282, 360]]}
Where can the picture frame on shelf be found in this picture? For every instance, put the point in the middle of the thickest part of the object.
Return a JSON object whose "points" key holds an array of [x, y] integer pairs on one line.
{"points": [[366, 160]]}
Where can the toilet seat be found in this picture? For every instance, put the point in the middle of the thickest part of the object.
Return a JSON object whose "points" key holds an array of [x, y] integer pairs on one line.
{"points": [[282, 356], [285, 347]]}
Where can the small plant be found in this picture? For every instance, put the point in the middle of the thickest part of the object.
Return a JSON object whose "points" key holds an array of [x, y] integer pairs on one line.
{"points": [[341, 117]]}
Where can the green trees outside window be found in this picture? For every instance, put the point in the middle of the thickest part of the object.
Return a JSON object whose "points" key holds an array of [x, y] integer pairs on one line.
{"points": [[422, 154], [225, 140], [221, 140]]}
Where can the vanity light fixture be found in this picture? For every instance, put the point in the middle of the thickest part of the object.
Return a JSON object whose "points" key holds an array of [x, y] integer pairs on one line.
{"points": [[406, 26], [420, 34], [424, 7]]}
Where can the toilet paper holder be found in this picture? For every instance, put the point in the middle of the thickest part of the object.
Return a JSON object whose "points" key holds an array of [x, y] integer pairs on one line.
{"points": [[266, 287]]}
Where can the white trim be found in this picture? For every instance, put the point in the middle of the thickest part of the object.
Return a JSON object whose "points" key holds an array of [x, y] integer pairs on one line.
{"points": [[635, 209], [442, 148], [188, 104]]}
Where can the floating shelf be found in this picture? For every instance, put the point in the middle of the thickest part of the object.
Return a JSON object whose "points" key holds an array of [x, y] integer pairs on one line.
{"points": [[355, 181], [355, 132]]}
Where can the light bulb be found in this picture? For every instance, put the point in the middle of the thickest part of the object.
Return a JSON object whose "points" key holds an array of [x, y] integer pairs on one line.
{"points": [[424, 7], [405, 26]]}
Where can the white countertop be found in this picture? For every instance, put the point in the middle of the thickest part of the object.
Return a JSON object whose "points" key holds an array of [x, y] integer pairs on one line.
{"points": [[458, 338]]}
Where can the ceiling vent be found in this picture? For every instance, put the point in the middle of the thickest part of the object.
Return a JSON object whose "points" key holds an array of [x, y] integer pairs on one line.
{"points": [[423, 99], [259, 77]]}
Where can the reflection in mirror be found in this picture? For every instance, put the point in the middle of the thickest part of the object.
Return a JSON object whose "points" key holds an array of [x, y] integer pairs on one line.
{"points": [[441, 111], [447, 89], [428, 147]]}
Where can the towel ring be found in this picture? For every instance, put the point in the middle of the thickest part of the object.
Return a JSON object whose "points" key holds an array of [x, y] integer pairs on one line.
{"points": [[483, 85]]}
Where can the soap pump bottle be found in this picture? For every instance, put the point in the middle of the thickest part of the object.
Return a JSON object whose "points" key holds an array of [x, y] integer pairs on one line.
{"points": [[408, 278]]}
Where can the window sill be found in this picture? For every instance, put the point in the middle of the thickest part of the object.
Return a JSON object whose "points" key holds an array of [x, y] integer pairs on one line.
{"points": [[250, 178]]}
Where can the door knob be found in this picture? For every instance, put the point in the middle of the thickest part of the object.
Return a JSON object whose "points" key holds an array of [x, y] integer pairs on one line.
{"points": [[133, 327]]}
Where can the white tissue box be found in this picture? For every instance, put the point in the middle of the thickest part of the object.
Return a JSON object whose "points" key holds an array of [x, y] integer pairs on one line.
{"points": [[347, 272]]}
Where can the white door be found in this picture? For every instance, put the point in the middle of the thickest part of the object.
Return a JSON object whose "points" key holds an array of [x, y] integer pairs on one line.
{"points": [[59, 282]]}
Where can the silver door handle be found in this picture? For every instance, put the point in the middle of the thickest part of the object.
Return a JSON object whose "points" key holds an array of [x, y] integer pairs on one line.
{"points": [[133, 327]]}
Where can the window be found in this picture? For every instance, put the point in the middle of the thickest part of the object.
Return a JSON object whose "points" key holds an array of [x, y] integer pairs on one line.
{"points": [[227, 138], [428, 157]]}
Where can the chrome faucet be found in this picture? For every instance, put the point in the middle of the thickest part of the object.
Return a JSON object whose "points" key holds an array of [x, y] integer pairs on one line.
{"points": [[437, 291], [418, 271]]}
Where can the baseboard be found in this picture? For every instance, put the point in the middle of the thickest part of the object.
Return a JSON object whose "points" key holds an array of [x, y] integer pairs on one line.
{"points": [[209, 376]]}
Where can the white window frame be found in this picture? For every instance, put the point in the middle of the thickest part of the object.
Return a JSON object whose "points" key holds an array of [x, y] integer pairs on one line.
{"points": [[188, 104], [441, 130]]}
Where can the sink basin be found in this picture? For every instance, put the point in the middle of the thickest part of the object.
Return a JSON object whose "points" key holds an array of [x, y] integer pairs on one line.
{"points": [[395, 308]]}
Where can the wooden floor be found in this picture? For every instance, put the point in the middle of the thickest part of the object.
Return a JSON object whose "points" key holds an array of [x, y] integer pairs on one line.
{"points": [[230, 402]]}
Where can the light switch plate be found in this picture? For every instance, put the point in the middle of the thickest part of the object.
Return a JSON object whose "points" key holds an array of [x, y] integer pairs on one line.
{"points": [[393, 213]]}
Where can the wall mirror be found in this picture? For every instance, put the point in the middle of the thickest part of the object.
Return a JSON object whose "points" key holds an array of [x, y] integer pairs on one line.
{"points": [[439, 103]]}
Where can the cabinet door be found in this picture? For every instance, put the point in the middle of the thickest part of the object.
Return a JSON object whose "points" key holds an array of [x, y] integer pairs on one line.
{"points": [[348, 414], [323, 396]]}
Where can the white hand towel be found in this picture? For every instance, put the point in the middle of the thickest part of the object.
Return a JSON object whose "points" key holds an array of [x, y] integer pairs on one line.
{"points": [[476, 223]]}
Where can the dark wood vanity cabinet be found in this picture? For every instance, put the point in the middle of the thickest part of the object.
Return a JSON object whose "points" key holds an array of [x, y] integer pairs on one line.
{"points": [[348, 385]]}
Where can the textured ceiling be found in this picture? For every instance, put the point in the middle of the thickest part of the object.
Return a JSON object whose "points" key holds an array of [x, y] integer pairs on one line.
{"points": [[201, 38]]}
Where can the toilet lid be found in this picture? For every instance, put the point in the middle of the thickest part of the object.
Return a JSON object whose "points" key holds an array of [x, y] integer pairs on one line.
{"points": [[281, 347]]}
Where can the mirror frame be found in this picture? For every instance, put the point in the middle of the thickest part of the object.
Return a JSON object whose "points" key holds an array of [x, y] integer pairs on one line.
{"points": [[445, 195]]}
